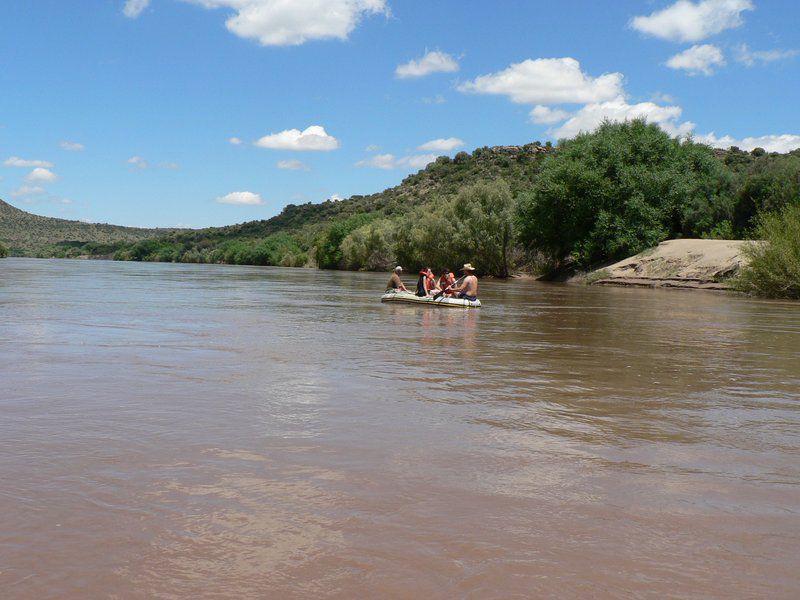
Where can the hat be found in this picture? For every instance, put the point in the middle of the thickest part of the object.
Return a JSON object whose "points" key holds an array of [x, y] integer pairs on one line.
{"points": [[469, 267], [398, 268]]}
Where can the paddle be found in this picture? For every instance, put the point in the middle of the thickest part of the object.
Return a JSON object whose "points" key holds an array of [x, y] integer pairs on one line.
{"points": [[457, 282]]}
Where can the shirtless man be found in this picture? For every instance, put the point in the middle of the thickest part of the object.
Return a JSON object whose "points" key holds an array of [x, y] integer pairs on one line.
{"points": [[469, 287], [395, 283]]}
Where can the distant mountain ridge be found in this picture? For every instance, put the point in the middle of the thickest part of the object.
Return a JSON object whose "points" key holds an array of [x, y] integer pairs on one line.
{"points": [[32, 235], [27, 234]]}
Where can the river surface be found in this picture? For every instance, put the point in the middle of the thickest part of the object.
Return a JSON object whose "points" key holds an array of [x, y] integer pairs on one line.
{"points": [[199, 431]]}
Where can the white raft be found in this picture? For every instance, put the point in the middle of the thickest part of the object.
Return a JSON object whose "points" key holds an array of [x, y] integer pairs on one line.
{"points": [[409, 298]]}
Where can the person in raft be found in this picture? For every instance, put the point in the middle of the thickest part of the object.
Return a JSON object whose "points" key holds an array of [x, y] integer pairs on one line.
{"points": [[469, 287], [446, 280], [425, 283], [395, 283]]}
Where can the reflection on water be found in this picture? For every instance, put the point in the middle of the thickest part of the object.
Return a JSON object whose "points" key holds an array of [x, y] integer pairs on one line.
{"points": [[175, 431]]}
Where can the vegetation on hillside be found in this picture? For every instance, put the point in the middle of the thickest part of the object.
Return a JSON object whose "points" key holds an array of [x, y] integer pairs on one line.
{"points": [[3, 250], [33, 235], [599, 197], [774, 268]]}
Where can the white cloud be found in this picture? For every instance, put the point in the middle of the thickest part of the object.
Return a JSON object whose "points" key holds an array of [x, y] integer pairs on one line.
{"points": [[547, 81], [335, 198], [311, 138], [138, 162], [698, 59], [661, 97], [749, 57], [293, 22], [372, 148], [15, 161], [686, 21], [168, 164], [235, 141], [41, 174], [133, 8], [544, 115], [441, 145], [437, 99], [27, 190], [433, 62], [72, 146], [592, 115], [390, 161], [293, 165], [771, 143], [241, 198]]}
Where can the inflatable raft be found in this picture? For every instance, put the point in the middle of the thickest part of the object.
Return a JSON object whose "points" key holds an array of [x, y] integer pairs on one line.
{"points": [[409, 298]]}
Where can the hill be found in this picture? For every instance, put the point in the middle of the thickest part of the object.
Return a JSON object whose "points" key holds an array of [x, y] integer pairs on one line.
{"points": [[600, 197], [27, 234]]}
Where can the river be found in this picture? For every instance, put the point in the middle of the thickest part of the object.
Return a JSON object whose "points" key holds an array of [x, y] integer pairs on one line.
{"points": [[204, 431]]}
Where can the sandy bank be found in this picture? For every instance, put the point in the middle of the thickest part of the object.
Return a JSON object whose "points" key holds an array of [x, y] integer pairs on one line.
{"points": [[687, 263]]}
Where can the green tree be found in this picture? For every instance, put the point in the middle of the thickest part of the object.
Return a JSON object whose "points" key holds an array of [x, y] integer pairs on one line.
{"points": [[3, 250], [625, 187], [328, 252], [771, 183], [369, 247]]}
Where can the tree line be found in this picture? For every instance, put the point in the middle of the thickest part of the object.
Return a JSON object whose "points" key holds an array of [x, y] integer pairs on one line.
{"points": [[599, 197]]}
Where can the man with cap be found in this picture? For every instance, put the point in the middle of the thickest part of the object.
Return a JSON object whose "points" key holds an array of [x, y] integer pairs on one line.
{"points": [[395, 283], [469, 287]]}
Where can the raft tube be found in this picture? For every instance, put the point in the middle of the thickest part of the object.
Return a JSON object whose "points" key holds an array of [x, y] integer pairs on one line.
{"points": [[409, 298]]}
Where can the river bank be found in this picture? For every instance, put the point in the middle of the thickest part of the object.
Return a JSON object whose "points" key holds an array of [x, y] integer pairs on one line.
{"points": [[684, 263]]}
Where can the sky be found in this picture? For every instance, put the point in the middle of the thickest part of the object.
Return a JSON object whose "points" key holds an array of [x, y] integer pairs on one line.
{"points": [[196, 113]]}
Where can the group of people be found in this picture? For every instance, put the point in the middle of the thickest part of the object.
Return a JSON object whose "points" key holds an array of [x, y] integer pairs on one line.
{"points": [[428, 285]]}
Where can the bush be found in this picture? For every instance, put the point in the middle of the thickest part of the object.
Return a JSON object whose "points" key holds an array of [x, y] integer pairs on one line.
{"points": [[328, 254], [626, 187], [774, 269], [370, 247], [3, 250]]}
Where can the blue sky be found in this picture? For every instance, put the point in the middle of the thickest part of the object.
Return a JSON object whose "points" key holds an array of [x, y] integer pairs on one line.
{"points": [[124, 111]]}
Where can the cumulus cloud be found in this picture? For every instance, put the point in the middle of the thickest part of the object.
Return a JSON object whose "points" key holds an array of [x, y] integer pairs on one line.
{"points": [[16, 161], [27, 190], [749, 57], [390, 161], [544, 115], [294, 22], [138, 162], [547, 81], [41, 174], [441, 145], [590, 116], [72, 146], [698, 59], [293, 165], [433, 62], [335, 198], [235, 141], [771, 143], [133, 8], [241, 198], [687, 21], [311, 138]]}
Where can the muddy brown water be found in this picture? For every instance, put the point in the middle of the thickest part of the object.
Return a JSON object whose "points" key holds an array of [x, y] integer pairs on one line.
{"points": [[196, 431]]}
